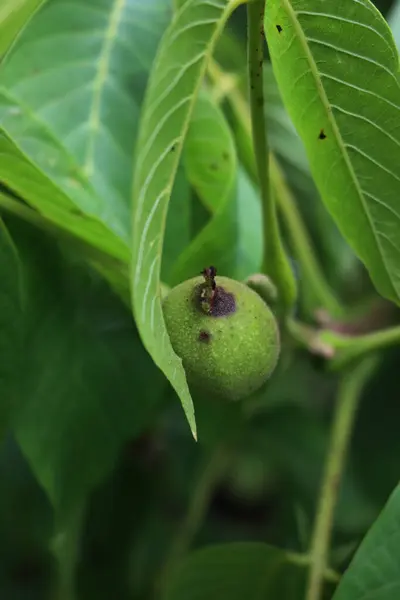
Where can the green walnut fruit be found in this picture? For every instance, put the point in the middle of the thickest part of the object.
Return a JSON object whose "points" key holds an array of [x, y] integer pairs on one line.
{"points": [[225, 334]]}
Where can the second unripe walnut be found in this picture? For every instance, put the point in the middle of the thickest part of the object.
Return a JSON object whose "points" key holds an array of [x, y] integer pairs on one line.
{"points": [[228, 340]]}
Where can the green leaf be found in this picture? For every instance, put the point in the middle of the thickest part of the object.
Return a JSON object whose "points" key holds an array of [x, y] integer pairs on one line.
{"points": [[171, 95], [25, 529], [178, 225], [14, 15], [30, 183], [88, 384], [232, 238], [337, 69], [374, 572], [11, 327], [394, 21], [236, 571], [209, 154], [70, 97]]}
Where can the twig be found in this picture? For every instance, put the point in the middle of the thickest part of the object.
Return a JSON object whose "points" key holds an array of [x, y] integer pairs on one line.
{"points": [[350, 390], [276, 263]]}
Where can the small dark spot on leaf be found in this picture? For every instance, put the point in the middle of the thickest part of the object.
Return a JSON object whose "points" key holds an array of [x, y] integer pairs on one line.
{"points": [[260, 63], [322, 135], [205, 336], [279, 28], [173, 148]]}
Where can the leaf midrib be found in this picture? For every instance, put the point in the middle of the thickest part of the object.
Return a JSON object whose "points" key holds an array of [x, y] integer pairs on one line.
{"points": [[326, 104], [103, 65]]}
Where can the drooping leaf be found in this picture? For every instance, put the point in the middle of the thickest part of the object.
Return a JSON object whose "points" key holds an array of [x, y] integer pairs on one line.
{"points": [[236, 571], [88, 384], [374, 573], [337, 69], [11, 327], [173, 88], [14, 15], [70, 96]]}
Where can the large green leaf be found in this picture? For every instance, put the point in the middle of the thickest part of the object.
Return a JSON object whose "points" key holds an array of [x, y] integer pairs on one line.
{"points": [[172, 92], [11, 327], [88, 386], [337, 68], [14, 15], [374, 573], [70, 96], [237, 571], [394, 21]]}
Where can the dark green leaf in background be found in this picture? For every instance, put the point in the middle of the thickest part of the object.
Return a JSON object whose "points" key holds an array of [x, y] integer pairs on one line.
{"points": [[14, 15], [236, 571], [337, 70], [374, 573], [394, 21], [11, 328], [70, 96], [232, 238], [171, 95], [88, 384]]}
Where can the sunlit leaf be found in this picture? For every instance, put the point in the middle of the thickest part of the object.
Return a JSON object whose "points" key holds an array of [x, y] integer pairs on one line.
{"points": [[337, 69], [70, 96], [394, 21], [173, 88], [14, 15]]}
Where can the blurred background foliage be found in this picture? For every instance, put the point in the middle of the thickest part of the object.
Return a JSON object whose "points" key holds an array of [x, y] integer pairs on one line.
{"points": [[102, 489]]}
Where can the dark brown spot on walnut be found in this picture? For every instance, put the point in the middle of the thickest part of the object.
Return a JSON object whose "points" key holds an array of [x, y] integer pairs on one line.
{"points": [[223, 303], [205, 337]]}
